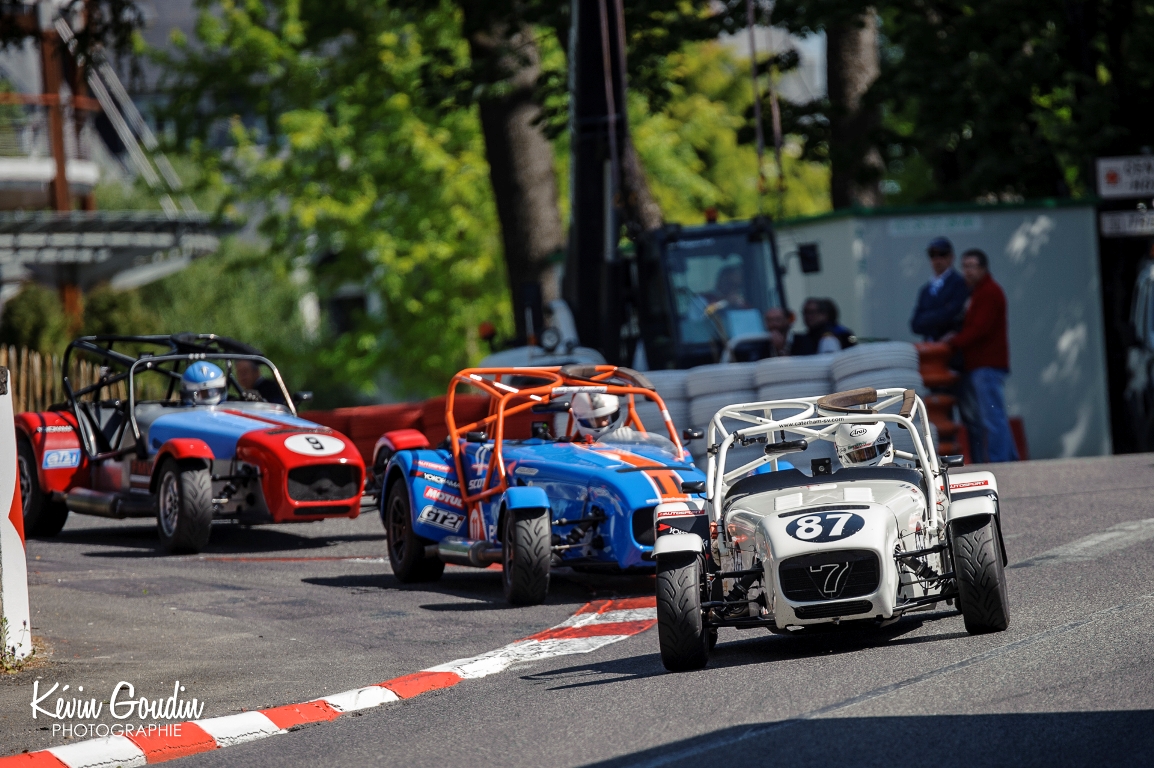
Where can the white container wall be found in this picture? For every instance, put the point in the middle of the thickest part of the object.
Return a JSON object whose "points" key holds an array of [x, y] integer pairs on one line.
{"points": [[1046, 260]]}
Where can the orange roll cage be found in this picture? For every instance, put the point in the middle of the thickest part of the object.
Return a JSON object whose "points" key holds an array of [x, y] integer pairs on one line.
{"points": [[507, 401]]}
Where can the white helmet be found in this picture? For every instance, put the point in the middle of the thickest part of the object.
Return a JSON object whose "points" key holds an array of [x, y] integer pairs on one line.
{"points": [[596, 414], [864, 445]]}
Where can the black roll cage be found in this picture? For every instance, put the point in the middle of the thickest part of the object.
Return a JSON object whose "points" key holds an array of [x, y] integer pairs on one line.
{"points": [[177, 348]]}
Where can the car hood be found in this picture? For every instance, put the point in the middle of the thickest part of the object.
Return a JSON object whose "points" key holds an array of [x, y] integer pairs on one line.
{"points": [[219, 427]]}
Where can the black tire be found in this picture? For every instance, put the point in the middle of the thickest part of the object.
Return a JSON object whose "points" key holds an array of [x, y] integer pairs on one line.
{"points": [[42, 516], [681, 632], [184, 506], [526, 555], [981, 577], [406, 548]]}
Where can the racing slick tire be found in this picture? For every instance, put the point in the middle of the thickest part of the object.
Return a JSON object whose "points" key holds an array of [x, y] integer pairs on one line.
{"points": [[184, 506], [406, 548], [526, 555], [980, 575], [684, 638], [42, 516]]}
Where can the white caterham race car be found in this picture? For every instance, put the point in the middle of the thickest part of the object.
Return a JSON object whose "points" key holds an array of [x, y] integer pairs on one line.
{"points": [[888, 533]]}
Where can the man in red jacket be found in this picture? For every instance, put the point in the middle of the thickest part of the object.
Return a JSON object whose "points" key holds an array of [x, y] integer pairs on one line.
{"points": [[985, 348]]}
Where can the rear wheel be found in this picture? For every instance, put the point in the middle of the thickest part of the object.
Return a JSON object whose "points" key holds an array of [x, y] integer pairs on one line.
{"points": [[681, 632], [406, 548], [981, 578], [42, 515], [526, 555], [184, 506]]}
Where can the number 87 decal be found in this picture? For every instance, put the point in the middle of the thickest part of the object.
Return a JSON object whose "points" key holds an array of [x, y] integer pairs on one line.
{"points": [[825, 526]]}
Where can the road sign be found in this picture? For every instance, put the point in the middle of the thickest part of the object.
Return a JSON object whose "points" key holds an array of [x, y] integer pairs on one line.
{"points": [[1126, 177]]}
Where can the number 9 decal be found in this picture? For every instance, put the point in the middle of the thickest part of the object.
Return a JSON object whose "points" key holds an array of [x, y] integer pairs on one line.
{"points": [[825, 526], [314, 445]]}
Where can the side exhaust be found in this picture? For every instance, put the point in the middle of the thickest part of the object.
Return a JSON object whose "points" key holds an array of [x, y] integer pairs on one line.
{"points": [[461, 551], [85, 501]]}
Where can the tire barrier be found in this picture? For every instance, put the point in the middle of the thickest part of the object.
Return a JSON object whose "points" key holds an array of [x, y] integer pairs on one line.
{"points": [[17, 635]]}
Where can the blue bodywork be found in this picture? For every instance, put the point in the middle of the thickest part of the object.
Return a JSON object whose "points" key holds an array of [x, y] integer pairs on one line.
{"points": [[600, 497], [212, 424]]}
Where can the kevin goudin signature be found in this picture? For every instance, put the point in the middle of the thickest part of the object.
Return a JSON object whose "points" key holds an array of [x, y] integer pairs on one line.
{"points": [[122, 704]]}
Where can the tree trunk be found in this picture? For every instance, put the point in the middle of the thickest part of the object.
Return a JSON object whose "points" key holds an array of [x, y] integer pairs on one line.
{"points": [[520, 166], [640, 209], [851, 68]]}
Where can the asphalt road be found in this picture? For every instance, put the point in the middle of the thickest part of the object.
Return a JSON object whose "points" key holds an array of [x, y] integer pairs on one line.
{"points": [[279, 615]]}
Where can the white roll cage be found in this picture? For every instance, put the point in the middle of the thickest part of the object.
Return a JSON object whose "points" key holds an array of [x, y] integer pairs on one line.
{"points": [[810, 422]]}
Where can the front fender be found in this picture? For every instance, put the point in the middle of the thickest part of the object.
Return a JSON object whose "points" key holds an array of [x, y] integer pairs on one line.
{"points": [[980, 506], [685, 542], [525, 497], [180, 449]]}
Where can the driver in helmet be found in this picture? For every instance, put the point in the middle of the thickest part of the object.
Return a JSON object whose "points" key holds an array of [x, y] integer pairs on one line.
{"points": [[203, 384], [597, 415], [864, 445]]}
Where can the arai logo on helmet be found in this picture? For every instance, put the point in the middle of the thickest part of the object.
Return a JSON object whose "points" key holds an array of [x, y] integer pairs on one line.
{"points": [[314, 445], [858, 431]]}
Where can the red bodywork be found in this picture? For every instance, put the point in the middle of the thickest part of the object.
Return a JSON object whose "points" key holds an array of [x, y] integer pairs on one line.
{"points": [[264, 449]]}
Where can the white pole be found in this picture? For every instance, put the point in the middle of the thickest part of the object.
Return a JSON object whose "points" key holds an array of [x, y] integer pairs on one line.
{"points": [[13, 564]]}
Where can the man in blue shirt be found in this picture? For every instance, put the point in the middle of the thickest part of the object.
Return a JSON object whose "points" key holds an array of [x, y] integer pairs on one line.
{"points": [[942, 301]]}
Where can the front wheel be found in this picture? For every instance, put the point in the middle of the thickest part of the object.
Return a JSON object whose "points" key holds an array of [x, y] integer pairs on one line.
{"points": [[526, 555], [184, 506], [406, 548], [42, 515], [684, 638], [980, 575]]}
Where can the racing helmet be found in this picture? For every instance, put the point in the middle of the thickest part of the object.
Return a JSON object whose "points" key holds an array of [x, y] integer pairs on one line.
{"points": [[203, 384], [596, 413], [863, 445]]}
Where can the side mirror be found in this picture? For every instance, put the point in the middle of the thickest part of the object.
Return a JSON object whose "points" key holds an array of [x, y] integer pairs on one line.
{"points": [[476, 437], [692, 434], [953, 462], [693, 486], [302, 397]]}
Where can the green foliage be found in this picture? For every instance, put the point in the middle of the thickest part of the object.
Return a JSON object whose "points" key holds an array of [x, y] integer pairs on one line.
{"points": [[109, 311], [34, 318], [361, 172], [999, 100]]}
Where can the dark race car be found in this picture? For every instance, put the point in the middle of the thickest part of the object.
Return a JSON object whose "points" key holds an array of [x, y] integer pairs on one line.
{"points": [[530, 504], [127, 446]]}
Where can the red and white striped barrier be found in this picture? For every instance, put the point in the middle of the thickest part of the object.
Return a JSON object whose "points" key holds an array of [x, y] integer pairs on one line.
{"points": [[594, 626], [13, 564]]}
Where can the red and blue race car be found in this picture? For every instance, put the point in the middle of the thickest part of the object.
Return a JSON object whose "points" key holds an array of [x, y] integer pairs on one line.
{"points": [[564, 499], [129, 446]]}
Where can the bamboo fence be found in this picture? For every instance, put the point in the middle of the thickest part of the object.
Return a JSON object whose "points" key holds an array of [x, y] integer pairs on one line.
{"points": [[37, 383]]}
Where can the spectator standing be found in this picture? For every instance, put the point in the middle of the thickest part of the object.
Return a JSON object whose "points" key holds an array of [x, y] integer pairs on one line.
{"points": [[941, 301], [823, 331], [985, 347]]}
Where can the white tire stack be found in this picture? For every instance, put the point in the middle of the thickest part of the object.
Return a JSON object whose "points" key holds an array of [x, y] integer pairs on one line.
{"points": [[882, 365], [712, 387], [780, 378], [670, 385]]}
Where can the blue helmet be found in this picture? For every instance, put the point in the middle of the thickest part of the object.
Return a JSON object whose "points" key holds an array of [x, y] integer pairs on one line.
{"points": [[203, 384]]}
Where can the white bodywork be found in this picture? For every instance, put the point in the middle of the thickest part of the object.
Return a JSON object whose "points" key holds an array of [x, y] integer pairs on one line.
{"points": [[836, 523]]}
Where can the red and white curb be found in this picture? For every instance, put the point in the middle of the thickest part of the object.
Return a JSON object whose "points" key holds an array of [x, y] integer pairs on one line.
{"points": [[593, 626]]}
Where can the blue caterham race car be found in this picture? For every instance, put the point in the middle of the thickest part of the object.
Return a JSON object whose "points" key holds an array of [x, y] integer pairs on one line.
{"points": [[584, 497]]}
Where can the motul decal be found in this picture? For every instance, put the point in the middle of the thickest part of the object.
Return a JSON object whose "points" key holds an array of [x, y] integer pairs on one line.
{"points": [[432, 466], [974, 484], [436, 494]]}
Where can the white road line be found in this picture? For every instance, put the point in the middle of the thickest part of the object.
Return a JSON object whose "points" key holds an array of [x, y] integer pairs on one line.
{"points": [[1114, 538]]}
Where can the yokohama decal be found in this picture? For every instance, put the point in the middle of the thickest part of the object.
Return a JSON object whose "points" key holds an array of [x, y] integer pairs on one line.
{"points": [[436, 494]]}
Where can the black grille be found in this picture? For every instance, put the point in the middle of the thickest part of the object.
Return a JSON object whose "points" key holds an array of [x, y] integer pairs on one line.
{"points": [[830, 575], [328, 509], [831, 610], [643, 526], [323, 482]]}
